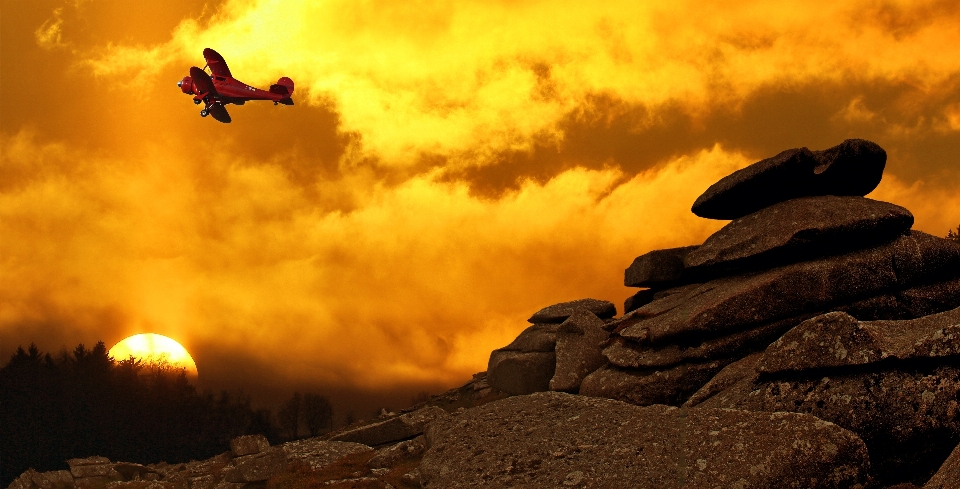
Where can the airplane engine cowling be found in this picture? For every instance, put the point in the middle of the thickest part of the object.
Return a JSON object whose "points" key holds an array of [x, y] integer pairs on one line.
{"points": [[186, 85]]}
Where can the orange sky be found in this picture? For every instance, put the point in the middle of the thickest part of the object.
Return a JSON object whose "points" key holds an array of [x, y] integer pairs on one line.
{"points": [[449, 168]]}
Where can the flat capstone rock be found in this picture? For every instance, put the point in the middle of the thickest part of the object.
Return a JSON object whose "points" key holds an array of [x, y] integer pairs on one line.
{"points": [[854, 167]]}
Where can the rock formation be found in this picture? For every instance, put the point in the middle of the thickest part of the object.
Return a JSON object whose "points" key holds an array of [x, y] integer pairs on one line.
{"points": [[812, 342]]}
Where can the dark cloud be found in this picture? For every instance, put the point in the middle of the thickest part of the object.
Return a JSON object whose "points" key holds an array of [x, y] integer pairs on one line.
{"points": [[606, 131]]}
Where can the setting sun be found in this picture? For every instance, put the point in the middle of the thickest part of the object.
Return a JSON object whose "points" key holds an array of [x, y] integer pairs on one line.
{"points": [[151, 347]]}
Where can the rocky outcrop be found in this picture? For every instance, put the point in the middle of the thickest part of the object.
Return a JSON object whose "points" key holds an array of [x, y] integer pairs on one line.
{"points": [[560, 440], [854, 167], [813, 300]]}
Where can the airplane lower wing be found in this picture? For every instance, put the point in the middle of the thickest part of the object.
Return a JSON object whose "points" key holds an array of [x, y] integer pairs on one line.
{"points": [[219, 113]]}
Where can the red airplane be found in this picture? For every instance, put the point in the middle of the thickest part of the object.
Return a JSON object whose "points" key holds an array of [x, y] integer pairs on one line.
{"points": [[222, 88]]}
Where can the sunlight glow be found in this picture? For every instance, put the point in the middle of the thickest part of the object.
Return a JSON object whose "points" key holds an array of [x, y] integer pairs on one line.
{"points": [[151, 347]]}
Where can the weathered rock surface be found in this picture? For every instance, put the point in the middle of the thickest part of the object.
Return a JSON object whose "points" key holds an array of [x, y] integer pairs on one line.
{"points": [[854, 167], [909, 418], [561, 440], [650, 386], [800, 229], [627, 353], [31, 479], [894, 383], [223, 471], [559, 313], [657, 268], [256, 467], [733, 303], [539, 337], [395, 454], [393, 430], [948, 476], [318, 453], [837, 339], [578, 350]]}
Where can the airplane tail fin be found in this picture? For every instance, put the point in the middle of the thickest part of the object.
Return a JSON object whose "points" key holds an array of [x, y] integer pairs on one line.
{"points": [[284, 86]]}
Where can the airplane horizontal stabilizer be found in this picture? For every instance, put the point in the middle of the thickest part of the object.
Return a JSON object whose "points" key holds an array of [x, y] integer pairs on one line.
{"points": [[284, 86]]}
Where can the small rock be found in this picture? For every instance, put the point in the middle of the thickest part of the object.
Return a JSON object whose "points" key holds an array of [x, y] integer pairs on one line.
{"points": [[248, 445], [395, 454], [657, 268], [319, 453], [393, 430], [559, 313], [518, 372]]}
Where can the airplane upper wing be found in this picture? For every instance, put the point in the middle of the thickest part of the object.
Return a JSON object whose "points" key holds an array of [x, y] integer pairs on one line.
{"points": [[216, 62]]}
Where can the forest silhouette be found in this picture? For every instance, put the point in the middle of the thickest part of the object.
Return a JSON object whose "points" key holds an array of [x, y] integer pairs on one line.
{"points": [[84, 403]]}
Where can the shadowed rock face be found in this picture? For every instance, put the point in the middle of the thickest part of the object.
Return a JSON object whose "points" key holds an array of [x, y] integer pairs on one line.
{"points": [[559, 440], [948, 477], [799, 229], [578, 350], [854, 167]]}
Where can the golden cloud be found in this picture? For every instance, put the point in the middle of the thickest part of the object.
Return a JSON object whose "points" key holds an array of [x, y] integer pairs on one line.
{"points": [[449, 168]]}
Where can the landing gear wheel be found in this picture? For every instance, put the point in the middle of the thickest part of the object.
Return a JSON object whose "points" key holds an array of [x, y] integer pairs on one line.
{"points": [[196, 102], [204, 113], [275, 103]]}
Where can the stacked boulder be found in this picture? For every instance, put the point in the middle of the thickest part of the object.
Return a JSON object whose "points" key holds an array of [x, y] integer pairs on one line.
{"points": [[805, 255], [561, 347]]}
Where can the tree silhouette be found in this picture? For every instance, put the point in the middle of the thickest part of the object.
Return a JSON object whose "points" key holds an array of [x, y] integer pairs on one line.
{"points": [[289, 415], [84, 403], [317, 413], [954, 235]]}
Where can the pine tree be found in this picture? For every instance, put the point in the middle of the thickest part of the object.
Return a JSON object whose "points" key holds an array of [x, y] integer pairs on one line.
{"points": [[317, 413], [954, 235], [289, 415]]}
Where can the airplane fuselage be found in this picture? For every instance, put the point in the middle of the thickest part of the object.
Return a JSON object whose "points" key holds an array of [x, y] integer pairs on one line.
{"points": [[232, 91]]}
